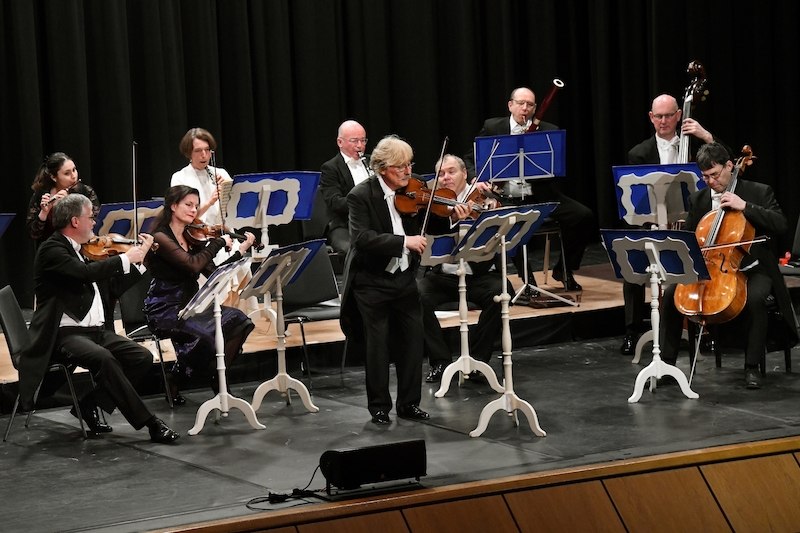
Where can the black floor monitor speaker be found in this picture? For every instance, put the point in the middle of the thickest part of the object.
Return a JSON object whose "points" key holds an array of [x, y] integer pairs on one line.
{"points": [[349, 469]]}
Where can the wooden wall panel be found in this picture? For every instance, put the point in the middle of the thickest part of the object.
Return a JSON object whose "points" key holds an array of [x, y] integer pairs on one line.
{"points": [[670, 500], [759, 494], [388, 522], [584, 507], [488, 513]]}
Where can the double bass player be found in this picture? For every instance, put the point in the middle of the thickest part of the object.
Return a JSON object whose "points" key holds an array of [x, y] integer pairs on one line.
{"points": [[760, 208]]}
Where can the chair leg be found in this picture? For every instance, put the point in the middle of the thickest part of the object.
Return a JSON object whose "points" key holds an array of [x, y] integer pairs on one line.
{"points": [[164, 373], [75, 400], [787, 357], [563, 255], [344, 356], [11, 418], [546, 258], [305, 354]]}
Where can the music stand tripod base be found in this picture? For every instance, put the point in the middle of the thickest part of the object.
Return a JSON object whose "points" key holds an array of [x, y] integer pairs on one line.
{"points": [[466, 364]]}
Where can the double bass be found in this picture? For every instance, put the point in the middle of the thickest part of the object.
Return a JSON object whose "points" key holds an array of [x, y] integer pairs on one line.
{"points": [[725, 238]]}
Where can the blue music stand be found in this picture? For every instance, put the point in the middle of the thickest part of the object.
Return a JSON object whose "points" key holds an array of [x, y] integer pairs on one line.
{"points": [[118, 217], [260, 199], [282, 267], [213, 291], [5, 221], [535, 155], [660, 256], [495, 231], [655, 194]]}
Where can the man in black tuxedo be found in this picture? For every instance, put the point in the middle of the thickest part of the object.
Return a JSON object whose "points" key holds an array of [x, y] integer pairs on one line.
{"points": [[578, 227], [758, 204], [68, 324], [661, 148], [339, 175], [380, 297], [440, 284]]}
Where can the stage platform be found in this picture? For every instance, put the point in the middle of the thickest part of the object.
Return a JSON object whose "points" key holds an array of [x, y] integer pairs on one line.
{"points": [[575, 379]]}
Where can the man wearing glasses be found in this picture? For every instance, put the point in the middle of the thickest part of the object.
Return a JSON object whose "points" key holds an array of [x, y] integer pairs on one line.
{"points": [[341, 173], [68, 324], [381, 301], [576, 220], [661, 148], [758, 204]]}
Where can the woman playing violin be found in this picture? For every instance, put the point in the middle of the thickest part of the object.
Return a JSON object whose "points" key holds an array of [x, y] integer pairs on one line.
{"points": [[758, 204], [176, 267], [56, 178]]}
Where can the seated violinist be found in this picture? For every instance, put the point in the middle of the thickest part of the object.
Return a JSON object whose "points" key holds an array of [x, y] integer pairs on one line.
{"points": [[176, 266], [440, 284], [68, 324], [756, 201]]}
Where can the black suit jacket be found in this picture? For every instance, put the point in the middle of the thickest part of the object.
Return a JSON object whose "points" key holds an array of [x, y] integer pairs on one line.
{"points": [[766, 216], [334, 184], [374, 246], [63, 284], [646, 152]]}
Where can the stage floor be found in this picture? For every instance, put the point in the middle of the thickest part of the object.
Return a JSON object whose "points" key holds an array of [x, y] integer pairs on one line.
{"points": [[53, 479]]}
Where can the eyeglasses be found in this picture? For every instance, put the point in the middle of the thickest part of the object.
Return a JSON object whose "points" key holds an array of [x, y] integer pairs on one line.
{"points": [[403, 167], [667, 116], [714, 175], [524, 103], [90, 217], [362, 140]]}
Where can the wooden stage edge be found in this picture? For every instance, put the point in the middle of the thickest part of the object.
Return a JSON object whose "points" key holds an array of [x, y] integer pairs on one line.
{"points": [[634, 506]]}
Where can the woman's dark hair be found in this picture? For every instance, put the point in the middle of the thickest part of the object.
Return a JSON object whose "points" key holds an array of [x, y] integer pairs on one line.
{"points": [[48, 171], [173, 195]]}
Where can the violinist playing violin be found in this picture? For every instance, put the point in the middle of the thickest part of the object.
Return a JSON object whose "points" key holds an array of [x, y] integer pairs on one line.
{"points": [[758, 204], [176, 267], [440, 284], [68, 324], [380, 301], [56, 178]]}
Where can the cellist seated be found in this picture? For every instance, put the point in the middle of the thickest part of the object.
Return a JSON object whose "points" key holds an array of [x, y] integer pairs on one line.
{"points": [[757, 202]]}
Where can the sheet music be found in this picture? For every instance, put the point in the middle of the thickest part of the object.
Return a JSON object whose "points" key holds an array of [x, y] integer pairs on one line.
{"points": [[225, 196]]}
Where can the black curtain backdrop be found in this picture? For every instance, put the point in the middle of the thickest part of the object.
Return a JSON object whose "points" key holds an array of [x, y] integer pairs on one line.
{"points": [[273, 79]]}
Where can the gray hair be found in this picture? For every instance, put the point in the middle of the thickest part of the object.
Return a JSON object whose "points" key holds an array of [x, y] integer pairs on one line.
{"points": [[70, 206], [391, 150]]}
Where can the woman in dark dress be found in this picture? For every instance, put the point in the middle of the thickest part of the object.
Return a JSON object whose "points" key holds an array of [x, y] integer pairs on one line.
{"points": [[57, 177], [175, 267]]}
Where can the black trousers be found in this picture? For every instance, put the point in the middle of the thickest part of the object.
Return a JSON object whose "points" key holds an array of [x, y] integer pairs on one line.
{"points": [[116, 363], [392, 320], [753, 320], [436, 288]]}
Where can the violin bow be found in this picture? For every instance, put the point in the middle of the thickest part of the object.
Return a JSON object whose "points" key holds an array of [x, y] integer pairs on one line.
{"points": [[133, 185], [436, 168]]}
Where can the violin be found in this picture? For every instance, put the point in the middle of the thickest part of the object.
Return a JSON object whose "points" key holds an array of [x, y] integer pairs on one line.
{"points": [[111, 245], [416, 196], [198, 232], [725, 238]]}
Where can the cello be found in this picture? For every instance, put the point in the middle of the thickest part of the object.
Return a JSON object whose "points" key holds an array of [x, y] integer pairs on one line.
{"points": [[725, 238]]}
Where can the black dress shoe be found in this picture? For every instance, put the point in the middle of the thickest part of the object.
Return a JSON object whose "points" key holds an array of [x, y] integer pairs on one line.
{"points": [[412, 412], [91, 418], [435, 373], [666, 381], [161, 433], [752, 379], [628, 344], [381, 418], [476, 377], [569, 284]]}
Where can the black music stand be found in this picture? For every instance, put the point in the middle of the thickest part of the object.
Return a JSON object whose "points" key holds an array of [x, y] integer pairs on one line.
{"points": [[5, 221], [516, 159], [213, 291], [655, 196], [282, 267], [660, 256], [497, 231]]}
